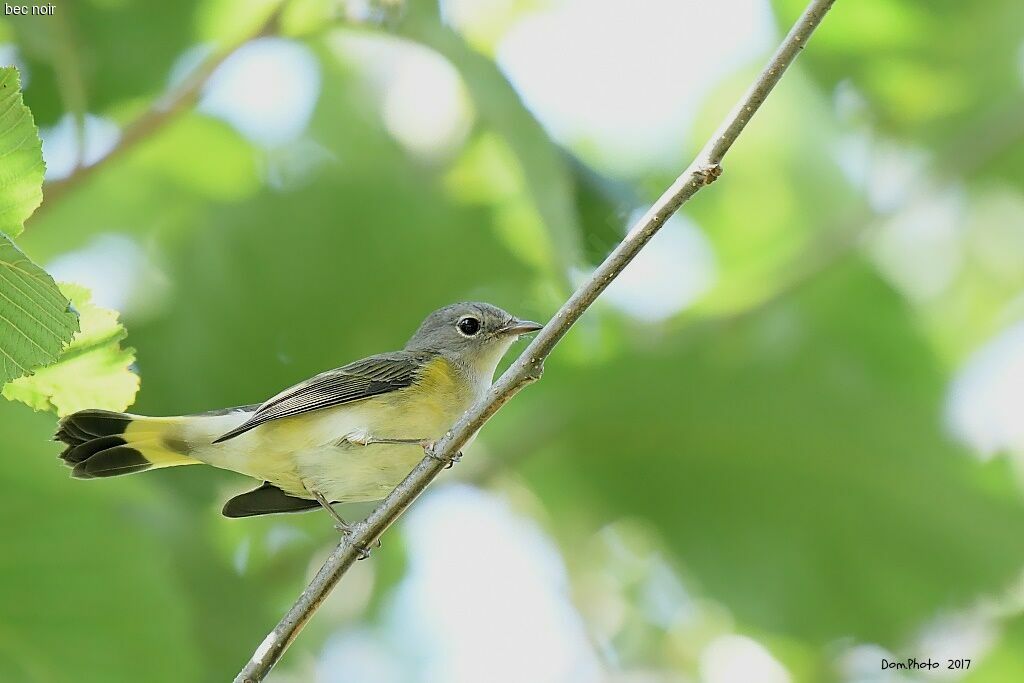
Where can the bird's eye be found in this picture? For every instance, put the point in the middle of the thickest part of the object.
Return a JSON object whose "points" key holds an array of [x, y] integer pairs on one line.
{"points": [[468, 325]]}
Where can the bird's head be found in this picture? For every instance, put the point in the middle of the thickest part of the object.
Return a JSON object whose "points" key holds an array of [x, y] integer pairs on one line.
{"points": [[476, 333]]}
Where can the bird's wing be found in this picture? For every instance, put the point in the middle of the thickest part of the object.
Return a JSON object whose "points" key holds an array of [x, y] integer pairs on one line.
{"points": [[354, 382]]}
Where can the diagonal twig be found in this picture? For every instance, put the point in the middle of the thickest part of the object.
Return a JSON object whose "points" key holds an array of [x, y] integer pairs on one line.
{"points": [[529, 366]]}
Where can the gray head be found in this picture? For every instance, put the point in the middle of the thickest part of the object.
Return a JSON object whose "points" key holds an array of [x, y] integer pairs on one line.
{"points": [[476, 333]]}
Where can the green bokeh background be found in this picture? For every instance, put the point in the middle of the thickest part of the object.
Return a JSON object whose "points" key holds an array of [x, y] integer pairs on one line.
{"points": [[781, 442]]}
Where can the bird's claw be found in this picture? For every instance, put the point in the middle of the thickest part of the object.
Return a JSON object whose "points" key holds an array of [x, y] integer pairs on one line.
{"points": [[449, 462], [362, 551], [348, 531]]}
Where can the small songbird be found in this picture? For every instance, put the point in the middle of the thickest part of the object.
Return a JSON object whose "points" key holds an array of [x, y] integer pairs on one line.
{"points": [[346, 435]]}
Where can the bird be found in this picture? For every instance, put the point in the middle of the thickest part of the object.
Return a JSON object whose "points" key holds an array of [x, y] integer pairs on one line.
{"points": [[346, 435]]}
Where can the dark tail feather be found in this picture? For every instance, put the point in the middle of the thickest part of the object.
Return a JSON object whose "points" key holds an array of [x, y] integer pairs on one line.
{"points": [[90, 424], [74, 455], [96, 446], [111, 462]]}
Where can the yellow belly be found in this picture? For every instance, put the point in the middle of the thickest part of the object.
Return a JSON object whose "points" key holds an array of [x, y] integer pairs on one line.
{"points": [[316, 451]]}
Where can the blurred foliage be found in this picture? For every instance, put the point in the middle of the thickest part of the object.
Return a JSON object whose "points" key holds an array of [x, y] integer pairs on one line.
{"points": [[792, 513], [924, 67], [84, 47], [92, 570], [779, 445]]}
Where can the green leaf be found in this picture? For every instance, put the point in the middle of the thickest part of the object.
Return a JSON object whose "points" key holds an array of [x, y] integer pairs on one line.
{"points": [[93, 372], [21, 157], [35, 322]]}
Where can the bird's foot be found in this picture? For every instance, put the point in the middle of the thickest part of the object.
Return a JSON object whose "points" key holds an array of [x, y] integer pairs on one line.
{"points": [[429, 451], [362, 439], [426, 444], [362, 551], [348, 531], [344, 528]]}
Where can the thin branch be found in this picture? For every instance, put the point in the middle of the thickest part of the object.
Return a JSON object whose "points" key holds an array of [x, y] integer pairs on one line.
{"points": [[164, 111], [529, 366]]}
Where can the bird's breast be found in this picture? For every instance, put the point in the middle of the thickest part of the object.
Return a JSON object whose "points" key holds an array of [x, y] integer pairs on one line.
{"points": [[347, 471], [321, 449]]}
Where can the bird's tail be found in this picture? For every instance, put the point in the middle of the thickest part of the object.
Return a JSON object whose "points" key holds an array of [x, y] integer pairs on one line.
{"points": [[101, 443]]}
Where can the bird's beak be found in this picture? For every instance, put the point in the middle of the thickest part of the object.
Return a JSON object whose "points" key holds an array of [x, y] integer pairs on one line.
{"points": [[519, 327]]}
